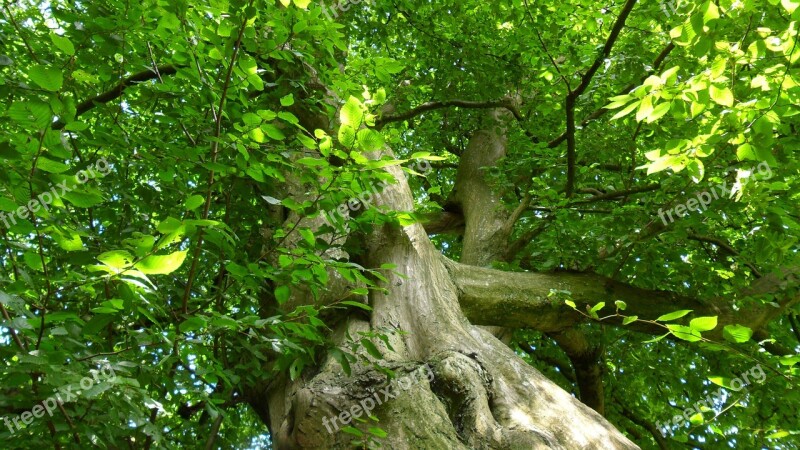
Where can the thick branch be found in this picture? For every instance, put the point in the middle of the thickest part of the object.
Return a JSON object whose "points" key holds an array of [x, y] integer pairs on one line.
{"points": [[586, 359], [506, 103], [612, 38], [119, 89], [525, 300], [430, 106], [652, 429], [444, 222]]}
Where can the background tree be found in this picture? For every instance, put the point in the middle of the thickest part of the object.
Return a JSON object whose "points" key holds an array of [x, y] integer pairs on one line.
{"points": [[260, 214]]}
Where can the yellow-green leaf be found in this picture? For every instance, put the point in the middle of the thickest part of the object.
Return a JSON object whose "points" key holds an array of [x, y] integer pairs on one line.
{"points": [[703, 323], [161, 264], [722, 96], [673, 315]]}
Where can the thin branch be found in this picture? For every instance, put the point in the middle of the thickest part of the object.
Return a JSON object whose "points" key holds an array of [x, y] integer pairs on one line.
{"points": [[571, 150], [12, 331], [578, 210], [727, 248], [84, 358], [633, 417], [565, 370], [430, 106], [586, 79], [119, 89], [214, 153], [616, 194], [602, 111], [19, 33], [523, 205], [519, 244], [544, 46], [525, 300]]}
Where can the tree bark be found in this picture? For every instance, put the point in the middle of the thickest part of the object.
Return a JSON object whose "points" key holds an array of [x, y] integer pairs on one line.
{"points": [[480, 393]]}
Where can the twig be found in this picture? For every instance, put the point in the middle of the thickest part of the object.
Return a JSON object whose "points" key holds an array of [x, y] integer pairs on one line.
{"points": [[119, 89], [214, 154]]}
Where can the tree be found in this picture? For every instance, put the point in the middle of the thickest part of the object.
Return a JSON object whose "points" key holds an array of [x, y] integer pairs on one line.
{"points": [[410, 224]]}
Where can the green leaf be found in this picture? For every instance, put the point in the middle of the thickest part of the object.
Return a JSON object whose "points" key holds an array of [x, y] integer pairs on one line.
{"points": [[790, 5], [722, 96], [684, 332], [352, 113], [737, 333], [161, 264], [31, 111], [354, 431], [193, 202], [703, 323], [673, 315], [49, 78], [341, 358], [746, 152], [356, 304], [282, 294], [711, 12], [48, 165], [7, 205], [273, 132], [370, 140], [629, 320], [595, 308], [371, 349], [251, 119], [33, 260], [68, 242], [118, 259], [628, 109], [721, 381], [192, 324], [347, 136], [287, 100], [62, 43], [645, 108], [83, 199], [656, 339], [312, 162], [620, 305], [659, 111], [377, 432]]}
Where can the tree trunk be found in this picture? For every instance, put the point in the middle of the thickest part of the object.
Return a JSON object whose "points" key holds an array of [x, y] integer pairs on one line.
{"points": [[456, 385]]}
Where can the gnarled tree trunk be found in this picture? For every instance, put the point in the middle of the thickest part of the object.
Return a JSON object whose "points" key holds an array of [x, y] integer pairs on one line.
{"points": [[475, 392]]}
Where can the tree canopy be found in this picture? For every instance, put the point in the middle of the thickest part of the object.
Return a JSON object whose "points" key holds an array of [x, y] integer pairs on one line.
{"points": [[181, 177]]}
